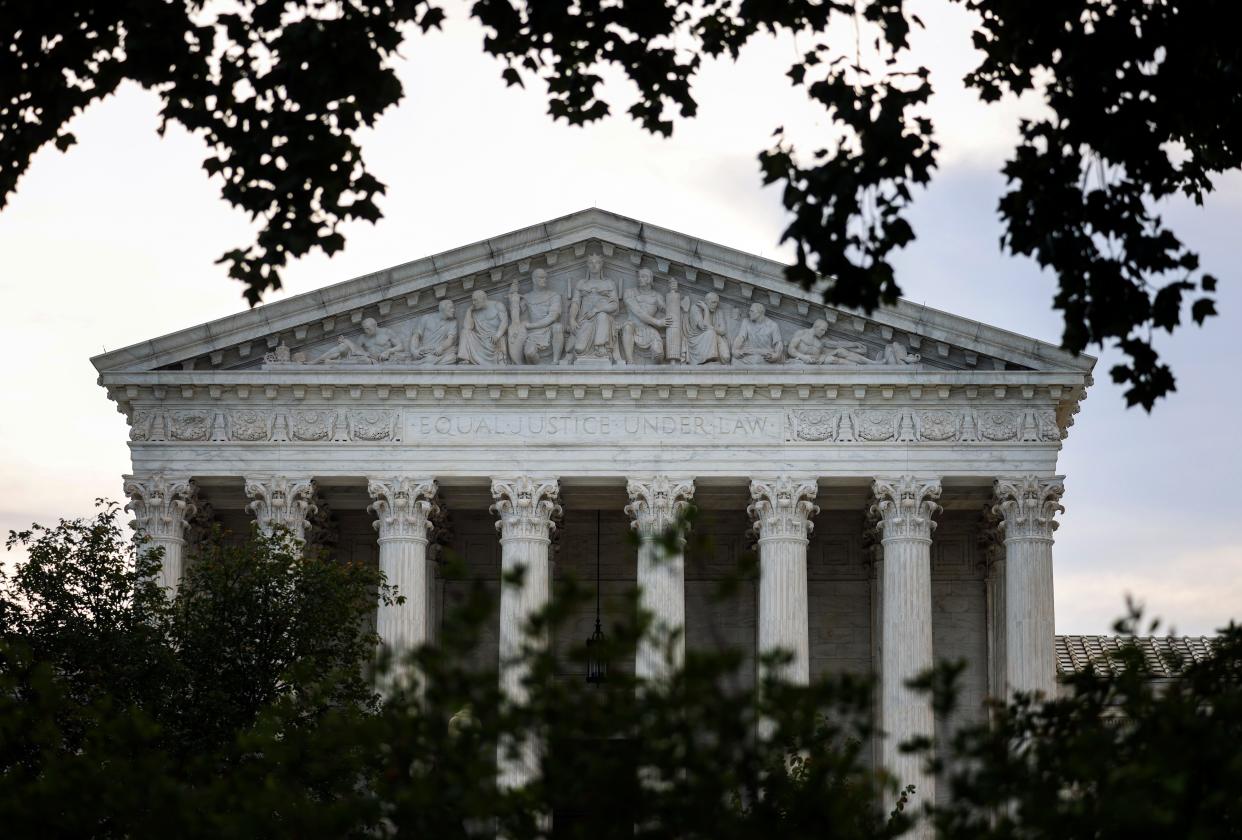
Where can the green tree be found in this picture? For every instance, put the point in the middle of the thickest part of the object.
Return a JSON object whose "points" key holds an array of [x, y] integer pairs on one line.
{"points": [[1143, 102], [257, 716], [293, 742], [122, 710], [1121, 755]]}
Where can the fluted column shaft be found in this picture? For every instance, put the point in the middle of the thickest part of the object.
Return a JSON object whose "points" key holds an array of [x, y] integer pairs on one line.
{"points": [[525, 507], [782, 509], [904, 507], [280, 502], [403, 508], [657, 505], [162, 507], [1028, 506]]}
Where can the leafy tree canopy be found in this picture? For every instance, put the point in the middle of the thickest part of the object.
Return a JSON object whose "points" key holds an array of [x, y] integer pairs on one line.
{"points": [[1144, 102], [243, 707]]}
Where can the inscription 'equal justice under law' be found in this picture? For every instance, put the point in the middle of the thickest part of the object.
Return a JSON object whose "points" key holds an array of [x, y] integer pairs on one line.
{"points": [[596, 425]]}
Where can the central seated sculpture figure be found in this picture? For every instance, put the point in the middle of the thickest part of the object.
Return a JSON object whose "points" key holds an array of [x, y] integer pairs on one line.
{"points": [[592, 314]]}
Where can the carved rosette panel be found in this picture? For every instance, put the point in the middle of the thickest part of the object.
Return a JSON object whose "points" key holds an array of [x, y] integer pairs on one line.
{"points": [[162, 506], [311, 425], [250, 425], [782, 508], [657, 504], [189, 425], [1027, 506], [904, 507], [937, 425], [815, 425], [526, 507], [281, 502], [372, 425], [404, 508]]}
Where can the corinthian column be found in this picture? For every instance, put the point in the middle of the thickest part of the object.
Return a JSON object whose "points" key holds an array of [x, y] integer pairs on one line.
{"points": [[525, 507], [782, 509], [403, 509], [904, 507], [162, 508], [656, 506], [281, 502], [1026, 506]]}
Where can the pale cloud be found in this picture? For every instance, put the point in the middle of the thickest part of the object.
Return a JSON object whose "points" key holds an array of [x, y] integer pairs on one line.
{"points": [[1193, 591], [114, 243]]}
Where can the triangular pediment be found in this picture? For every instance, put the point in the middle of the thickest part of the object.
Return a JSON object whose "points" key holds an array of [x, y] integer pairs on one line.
{"points": [[591, 261]]}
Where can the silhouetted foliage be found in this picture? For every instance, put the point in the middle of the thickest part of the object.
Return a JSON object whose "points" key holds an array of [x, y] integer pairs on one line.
{"points": [[243, 707], [1144, 100], [1122, 755]]}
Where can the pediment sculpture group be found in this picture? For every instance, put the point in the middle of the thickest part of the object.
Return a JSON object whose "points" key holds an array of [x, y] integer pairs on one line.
{"points": [[604, 326]]}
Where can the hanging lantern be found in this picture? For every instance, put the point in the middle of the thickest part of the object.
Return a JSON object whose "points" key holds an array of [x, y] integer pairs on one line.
{"points": [[597, 665]]}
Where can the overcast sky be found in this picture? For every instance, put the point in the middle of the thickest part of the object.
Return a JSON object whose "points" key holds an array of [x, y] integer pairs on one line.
{"points": [[114, 242]]}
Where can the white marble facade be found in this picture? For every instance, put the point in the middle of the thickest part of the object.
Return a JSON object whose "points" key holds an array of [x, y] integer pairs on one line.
{"points": [[896, 472]]}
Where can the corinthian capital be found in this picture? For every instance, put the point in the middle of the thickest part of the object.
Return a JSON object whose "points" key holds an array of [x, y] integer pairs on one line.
{"points": [[162, 506], [403, 507], [904, 506], [783, 507], [657, 503], [1027, 504], [526, 506], [281, 502]]}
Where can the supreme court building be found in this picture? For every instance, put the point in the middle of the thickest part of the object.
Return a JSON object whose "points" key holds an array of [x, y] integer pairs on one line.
{"points": [[898, 469]]}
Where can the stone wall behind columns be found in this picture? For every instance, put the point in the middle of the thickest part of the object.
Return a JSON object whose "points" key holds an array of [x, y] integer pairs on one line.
{"points": [[839, 595], [476, 545], [712, 621], [618, 570], [959, 617]]}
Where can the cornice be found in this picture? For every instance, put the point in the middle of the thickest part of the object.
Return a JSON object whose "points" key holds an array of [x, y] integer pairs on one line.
{"points": [[786, 375]]}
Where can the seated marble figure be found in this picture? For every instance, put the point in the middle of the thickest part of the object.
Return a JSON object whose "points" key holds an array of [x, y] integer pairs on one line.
{"points": [[758, 340], [434, 340]]}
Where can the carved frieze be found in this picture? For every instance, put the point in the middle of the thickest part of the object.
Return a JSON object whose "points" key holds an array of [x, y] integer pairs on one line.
{"points": [[250, 425], [372, 425], [597, 316], [936, 424], [859, 425], [189, 425], [311, 425], [815, 425]]}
